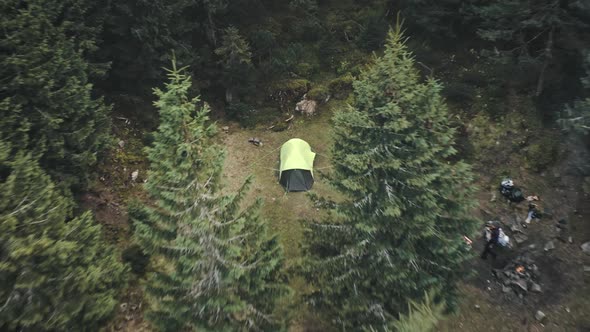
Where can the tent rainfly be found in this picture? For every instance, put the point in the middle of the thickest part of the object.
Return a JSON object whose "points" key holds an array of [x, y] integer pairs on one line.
{"points": [[296, 169]]}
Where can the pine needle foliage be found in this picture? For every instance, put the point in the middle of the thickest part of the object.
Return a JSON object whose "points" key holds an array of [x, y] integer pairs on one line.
{"points": [[220, 270], [55, 275], [46, 101], [399, 232], [422, 316], [576, 117]]}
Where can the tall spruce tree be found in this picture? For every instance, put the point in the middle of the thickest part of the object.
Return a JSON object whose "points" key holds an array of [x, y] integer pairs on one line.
{"points": [[46, 101], [528, 31], [138, 37], [399, 230], [55, 275], [236, 60], [576, 117], [221, 271]]}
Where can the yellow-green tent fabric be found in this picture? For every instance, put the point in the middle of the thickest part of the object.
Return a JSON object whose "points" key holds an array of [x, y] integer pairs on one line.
{"points": [[296, 168]]}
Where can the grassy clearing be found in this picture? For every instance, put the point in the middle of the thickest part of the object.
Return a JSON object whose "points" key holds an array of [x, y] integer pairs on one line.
{"points": [[285, 212]]}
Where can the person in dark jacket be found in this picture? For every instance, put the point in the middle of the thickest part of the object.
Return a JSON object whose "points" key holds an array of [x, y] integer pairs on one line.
{"points": [[492, 234]]}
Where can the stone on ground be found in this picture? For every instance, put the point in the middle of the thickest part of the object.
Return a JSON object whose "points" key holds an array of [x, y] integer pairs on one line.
{"points": [[549, 246]]}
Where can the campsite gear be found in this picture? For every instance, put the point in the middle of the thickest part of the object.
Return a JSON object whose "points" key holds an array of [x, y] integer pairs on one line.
{"points": [[296, 168], [506, 187], [503, 239], [516, 195], [508, 190], [256, 141]]}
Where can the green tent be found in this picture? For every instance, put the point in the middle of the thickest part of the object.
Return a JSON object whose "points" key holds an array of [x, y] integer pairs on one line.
{"points": [[296, 170]]}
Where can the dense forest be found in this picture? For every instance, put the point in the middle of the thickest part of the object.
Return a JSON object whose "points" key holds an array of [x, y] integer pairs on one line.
{"points": [[132, 197]]}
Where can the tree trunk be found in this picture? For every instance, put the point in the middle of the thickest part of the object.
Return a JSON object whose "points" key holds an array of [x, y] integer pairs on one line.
{"points": [[212, 35], [548, 57], [229, 95]]}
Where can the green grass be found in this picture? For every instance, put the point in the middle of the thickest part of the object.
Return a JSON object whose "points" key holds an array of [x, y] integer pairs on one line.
{"points": [[286, 213]]}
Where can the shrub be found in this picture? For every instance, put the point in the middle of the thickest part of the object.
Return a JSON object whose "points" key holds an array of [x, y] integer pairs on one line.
{"points": [[319, 93], [286, 91], [243, 113], [341, 87], [459, 92], [305, 69], [542, 154]]}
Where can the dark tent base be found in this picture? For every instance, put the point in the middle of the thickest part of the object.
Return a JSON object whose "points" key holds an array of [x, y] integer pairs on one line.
{"points": [[296, 180]]}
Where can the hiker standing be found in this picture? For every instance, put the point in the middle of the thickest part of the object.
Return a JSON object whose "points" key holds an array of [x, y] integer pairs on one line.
{"points": [[491, 235]]}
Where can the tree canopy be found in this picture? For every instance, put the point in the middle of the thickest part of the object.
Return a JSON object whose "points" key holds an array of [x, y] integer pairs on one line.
{"points": [[399, 230], [221, 270]]}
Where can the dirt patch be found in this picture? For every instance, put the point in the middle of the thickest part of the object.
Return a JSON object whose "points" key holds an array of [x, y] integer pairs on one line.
{"points": [[565, 294]]}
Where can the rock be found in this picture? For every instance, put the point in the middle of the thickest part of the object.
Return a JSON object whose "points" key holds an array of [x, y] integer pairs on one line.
{"points": [[121, 144], [532, 246], [539, 315], [586, 247], [134, 175], [567, 309], [477, 306], [506, 289], [549, 246], [520, 238], [306, 106], [225, 129], [520, 284], [586, 268], [535, 288], [570, 239]]}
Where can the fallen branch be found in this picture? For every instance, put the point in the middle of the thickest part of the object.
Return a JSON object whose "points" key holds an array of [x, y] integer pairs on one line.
{"points": [[290, 118]]}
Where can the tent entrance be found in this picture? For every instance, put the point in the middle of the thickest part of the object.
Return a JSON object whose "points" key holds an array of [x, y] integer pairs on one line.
{"points": [[296, 180]]}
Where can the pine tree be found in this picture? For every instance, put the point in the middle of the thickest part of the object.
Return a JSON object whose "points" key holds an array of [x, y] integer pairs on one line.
{"points": [[399, 230], [46, 102], [527, 31], [55, 275], [138, 37], [576, 117], [220, 270], [236, 60], [434, 16], [422, 316]]}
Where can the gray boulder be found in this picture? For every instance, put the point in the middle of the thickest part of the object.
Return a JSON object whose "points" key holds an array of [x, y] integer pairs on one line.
{"points": [[539, 315], [306, 106]]}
